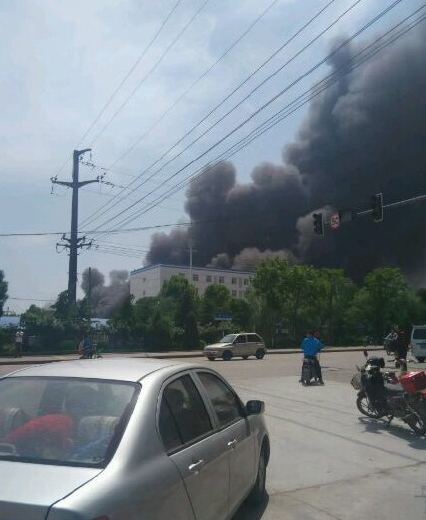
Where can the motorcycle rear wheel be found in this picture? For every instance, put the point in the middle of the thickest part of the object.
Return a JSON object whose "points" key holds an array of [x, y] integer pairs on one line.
{"points": [[366, 408]]}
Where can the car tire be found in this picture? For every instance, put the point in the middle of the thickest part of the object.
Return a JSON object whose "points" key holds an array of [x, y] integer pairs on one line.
{"points": [[227, 355], [258, 493], [420, 359], [260, 353], [210, 358], [244, 357]]}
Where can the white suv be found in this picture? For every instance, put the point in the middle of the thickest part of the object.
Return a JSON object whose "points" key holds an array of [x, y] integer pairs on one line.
{"points": [[242, 345], [418, 342]]}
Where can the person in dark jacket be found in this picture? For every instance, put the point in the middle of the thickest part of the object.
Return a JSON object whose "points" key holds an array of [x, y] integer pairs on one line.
{"points": [[401, 347], [311, 346]]}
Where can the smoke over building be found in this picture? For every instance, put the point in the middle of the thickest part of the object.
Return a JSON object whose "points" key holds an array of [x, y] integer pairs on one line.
{"points": [[363, 135], [104, 299]]}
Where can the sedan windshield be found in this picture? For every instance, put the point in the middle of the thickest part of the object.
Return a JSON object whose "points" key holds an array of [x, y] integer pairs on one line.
{"points": [[229, 338], [67, 421]]}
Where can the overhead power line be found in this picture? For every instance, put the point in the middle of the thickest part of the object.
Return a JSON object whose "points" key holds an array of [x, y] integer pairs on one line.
{"points": [[296, 104], [134, 215], [157, 63], [195, 82], [110, 204], [123, 81]]}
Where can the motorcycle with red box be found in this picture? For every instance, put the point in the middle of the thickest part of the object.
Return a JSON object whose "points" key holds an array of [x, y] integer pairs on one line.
{"points": [[383, 395]]}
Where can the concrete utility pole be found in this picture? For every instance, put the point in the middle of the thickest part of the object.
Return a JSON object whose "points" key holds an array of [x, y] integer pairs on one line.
{"points": [[74, 243], [191, 250]]}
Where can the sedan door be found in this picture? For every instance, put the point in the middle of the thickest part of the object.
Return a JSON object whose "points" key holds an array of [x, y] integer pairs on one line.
{"points": [[240, 345], [234, 429], [200, 454]]}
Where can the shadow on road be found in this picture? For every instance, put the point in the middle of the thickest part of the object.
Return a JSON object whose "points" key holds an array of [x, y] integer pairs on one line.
{"points": [[249, 512], [395, 428]]}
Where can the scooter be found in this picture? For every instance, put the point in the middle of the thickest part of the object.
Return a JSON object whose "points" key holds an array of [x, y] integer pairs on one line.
{"points": [[381, 396]]}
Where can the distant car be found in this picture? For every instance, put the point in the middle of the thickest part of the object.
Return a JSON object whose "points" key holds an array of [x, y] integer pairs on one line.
{"points": [[113, 439], [242, 345], [418, 342]]}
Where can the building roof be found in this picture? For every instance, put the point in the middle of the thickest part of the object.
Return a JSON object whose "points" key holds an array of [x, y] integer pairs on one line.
{"points": [[186, 267], [9, 321]]}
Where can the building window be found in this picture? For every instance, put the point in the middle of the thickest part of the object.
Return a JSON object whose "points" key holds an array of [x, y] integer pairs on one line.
{"points": [[246, 281], [143, 293], [221, 279], [234, 293], [195, 277], [208, 278], [234, 280], [143, 280]]}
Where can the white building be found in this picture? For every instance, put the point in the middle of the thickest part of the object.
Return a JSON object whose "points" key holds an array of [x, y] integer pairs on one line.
{"points": [[148, 281]]}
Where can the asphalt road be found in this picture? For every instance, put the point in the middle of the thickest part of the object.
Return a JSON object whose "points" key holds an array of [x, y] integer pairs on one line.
{"points": [[327, 461]]}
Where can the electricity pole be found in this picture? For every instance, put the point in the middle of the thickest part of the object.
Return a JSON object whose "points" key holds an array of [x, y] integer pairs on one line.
{"points": [[74, 243]]}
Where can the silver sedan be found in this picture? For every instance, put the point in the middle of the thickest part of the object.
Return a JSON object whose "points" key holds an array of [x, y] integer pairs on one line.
{"points": [[125, 439]]}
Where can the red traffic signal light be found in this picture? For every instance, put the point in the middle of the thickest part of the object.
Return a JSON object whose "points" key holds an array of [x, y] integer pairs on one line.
{"points": [[377, 207], [318, 223]]}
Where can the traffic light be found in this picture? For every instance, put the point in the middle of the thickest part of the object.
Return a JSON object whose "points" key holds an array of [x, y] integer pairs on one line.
{"points": [[318, 224], [377, 207]]}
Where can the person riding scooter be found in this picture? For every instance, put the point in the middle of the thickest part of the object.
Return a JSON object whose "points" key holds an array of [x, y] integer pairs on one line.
{"points": [[311, 346]]}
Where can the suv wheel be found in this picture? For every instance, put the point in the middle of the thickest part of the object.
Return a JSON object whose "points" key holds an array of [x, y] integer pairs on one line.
{"points": [[260, 353]]}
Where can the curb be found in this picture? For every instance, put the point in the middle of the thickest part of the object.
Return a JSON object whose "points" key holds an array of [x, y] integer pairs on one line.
{"points": [[30, 360]]}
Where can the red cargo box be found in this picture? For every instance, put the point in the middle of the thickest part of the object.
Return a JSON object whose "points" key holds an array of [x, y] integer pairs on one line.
{"points": [[413, 381]]}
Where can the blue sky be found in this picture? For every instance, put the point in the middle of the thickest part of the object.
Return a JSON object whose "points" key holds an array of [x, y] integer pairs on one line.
{"points": [[61, 64]]}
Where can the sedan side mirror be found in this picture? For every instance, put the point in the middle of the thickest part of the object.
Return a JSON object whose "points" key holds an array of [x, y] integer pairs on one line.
{"points": [[255, 407]]}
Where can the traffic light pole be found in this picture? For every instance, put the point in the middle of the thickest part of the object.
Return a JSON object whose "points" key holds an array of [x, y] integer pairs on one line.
{"points": [[393, 205], [347, 215], [74, 243]]}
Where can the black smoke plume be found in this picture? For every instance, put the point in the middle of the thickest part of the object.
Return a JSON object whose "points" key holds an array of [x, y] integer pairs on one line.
{"points": [[364, 135], [104, 299]]}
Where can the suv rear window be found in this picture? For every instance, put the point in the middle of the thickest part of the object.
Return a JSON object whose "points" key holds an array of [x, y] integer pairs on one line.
{"points": [[419, 333]]}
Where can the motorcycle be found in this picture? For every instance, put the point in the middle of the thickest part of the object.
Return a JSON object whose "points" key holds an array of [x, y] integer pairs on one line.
{"points": [[309, 372], [383, 395]]}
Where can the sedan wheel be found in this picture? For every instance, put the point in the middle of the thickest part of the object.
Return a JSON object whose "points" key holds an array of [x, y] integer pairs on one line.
{"points": [[260, 353], [227, 355], [210, 358], [257, 494], [244, 357]]}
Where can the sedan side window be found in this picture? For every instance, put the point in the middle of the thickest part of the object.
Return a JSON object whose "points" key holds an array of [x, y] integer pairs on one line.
{"points": [[253, 338], [183, 416], [225, 403]]}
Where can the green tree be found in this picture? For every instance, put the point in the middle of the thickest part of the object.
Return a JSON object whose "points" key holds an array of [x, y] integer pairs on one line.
{"points": [[267, 295], [216, 299], [3, 292], [333, 304], [288, 295], [384, 300], [179, 301], [242, 315]]}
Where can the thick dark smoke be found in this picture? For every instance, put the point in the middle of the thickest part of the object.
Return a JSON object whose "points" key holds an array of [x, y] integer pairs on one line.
{"points": [[104, 299], [364, 135]]}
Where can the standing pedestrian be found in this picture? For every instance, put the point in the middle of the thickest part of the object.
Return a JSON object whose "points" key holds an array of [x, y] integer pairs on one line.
{"points": [[401, 348], [19, 340], [87, 347]]}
